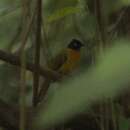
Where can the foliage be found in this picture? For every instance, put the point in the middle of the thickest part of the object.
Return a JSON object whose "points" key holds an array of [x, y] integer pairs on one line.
{"points": [[105, 80], [104, 67]]}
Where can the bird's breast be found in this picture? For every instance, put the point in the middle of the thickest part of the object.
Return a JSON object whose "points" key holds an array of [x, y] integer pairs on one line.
{"points": [[72, 61]]}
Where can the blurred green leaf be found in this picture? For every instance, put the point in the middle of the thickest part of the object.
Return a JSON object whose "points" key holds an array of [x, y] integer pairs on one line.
{"points": [[58, 5], [106, 79], [125, 2], [62, 13]]}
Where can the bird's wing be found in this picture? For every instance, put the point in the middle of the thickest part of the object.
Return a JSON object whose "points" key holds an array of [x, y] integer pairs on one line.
{"points": [[58, 61], [54, 64]]}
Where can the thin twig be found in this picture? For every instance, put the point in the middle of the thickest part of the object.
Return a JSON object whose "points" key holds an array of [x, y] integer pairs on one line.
{"points": [[46, 45], [115, 25], [101, 22], [28, 30]]}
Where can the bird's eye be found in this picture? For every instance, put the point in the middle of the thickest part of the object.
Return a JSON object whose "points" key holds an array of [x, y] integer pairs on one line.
{"points": [[75, 44]]}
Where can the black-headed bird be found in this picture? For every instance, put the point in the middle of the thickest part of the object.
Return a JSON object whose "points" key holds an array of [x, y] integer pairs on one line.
{"points": [[64, 63]]}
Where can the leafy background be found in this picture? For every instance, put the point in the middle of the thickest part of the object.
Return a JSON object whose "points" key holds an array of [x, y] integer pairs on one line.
{"points": [[62, 21]]}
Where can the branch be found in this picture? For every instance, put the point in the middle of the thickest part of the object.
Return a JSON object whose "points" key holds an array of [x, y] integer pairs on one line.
{"points": [[15, 60], [36, 73], [115, 25]]}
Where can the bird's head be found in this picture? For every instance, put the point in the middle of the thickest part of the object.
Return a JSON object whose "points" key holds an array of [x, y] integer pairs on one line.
{"points": [[75, 44]]}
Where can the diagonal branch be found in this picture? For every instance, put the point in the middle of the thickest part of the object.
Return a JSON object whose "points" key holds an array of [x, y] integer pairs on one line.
{"points": [[15, 60]]}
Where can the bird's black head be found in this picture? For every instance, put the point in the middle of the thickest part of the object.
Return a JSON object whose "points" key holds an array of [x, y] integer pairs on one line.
{"points": [[75, 44]]}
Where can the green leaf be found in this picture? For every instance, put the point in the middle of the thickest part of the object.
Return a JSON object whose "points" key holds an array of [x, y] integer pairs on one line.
{"points": [[62, 13], [106, 79]]}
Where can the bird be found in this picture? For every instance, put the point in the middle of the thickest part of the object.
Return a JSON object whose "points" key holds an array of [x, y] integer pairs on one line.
{"points": [[64, 63]]}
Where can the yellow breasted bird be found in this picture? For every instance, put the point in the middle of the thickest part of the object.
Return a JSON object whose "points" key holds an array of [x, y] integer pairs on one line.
{"points": [[64, 63]]}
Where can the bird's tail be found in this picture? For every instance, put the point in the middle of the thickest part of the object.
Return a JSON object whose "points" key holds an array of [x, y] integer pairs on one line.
{"points": [[44, 88]]}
